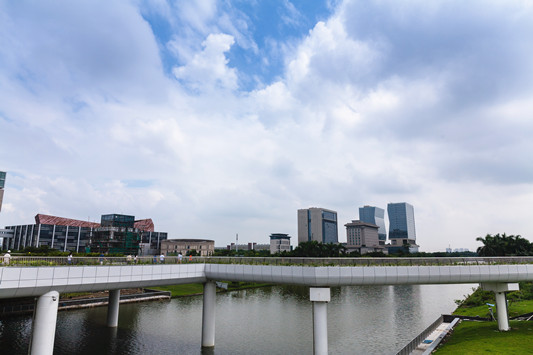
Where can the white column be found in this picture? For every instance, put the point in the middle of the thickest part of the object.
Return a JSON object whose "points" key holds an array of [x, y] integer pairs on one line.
{"points": [[501, 311], [112, 308], [208, 315], [320, 296], [44, 324], [499, 290], [66, 240]]}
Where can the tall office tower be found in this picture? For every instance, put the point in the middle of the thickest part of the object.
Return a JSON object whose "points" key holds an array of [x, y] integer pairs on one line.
{"points": [[2, 184], [401, 224], [374, 215], [317, 224]]}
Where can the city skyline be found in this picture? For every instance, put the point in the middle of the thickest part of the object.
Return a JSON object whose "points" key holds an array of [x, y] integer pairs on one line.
{"points": [[217, 118]]}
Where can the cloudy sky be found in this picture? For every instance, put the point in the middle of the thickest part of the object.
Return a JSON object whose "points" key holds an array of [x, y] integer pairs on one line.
{"points": [[222, 117]]}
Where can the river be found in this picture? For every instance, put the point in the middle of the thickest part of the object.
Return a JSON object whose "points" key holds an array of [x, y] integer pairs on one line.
{"points": [[270, 320]]}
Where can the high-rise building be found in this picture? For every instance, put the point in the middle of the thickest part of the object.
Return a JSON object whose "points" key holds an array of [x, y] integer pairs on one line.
{"points": [[317, 224], [375, 215], [2, 184], [402, 225]]}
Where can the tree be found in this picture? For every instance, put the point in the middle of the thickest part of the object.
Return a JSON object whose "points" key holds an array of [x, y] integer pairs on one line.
{"points": [[316, 249], [504, 245]]}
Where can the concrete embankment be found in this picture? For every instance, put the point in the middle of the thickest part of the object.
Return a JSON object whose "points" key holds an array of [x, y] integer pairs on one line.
{"points": [[26, 305]]}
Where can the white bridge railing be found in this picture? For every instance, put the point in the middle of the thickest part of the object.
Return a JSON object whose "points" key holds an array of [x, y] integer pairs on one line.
{"points": [[34, 261]]}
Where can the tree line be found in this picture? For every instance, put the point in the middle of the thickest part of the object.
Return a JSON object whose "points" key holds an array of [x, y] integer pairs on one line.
{"points": [[504, 245]]}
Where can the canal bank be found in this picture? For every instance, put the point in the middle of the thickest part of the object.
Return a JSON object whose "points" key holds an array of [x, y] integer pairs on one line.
{"points": [[11, 307], [477, 330]]}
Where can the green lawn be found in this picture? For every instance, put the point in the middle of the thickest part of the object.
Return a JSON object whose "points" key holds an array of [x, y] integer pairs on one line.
{"points": [[484, 338], [515, 309]]}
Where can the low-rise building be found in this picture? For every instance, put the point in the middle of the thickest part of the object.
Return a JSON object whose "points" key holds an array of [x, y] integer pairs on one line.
{"points": [[203, 247], [82, 236], [363, 237], [279, 242]]}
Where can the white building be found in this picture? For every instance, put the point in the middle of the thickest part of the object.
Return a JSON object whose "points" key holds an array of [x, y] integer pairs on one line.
{"points": [[279, 242]]}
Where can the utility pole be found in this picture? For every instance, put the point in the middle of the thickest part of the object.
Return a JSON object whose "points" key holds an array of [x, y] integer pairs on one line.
{"points": [[237, 243]]}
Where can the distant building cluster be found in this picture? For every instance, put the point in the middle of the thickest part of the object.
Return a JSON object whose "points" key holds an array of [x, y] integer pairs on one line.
{"points": [[118, 233], [365, 235], [115, 233]]}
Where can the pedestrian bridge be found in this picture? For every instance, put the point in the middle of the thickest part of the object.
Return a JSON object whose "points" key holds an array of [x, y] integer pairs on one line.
{"points": [[47, 282], [36, 281]]}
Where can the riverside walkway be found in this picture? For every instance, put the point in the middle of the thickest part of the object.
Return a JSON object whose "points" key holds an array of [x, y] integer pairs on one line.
{"points": [[45, 278]]}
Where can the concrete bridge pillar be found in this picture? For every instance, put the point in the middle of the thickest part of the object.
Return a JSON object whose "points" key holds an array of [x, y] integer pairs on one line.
{"points": [[208, 315], [44, 324], [112, 308], [320, 296], [499, 290]]}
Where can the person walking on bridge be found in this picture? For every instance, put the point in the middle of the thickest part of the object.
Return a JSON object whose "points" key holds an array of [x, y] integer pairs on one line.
{"points": [[7, 257]]}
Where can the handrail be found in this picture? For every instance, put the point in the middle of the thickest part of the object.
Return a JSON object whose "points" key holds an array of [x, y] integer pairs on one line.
{"points": [[40, 261], [413, 344]]}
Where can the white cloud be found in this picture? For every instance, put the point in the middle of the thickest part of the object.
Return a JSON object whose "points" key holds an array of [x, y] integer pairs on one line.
{"points": [[381, 102], [208, 69]]}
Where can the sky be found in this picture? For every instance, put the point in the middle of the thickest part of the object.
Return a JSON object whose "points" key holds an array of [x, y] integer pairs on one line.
{"points": [[221, 117]]}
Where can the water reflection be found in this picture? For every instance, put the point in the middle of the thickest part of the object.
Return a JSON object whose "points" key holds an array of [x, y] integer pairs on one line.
{"points": [[274, 320]]}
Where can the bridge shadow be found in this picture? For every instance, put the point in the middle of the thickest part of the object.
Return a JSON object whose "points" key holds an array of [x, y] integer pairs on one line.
{"points": [[208, 351]]}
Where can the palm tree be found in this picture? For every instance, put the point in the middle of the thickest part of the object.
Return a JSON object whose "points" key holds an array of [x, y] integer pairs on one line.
{"points": [[502, 245]]}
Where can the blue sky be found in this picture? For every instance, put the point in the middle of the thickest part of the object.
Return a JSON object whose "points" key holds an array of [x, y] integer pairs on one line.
{"points": [[262, 30], [223, 117]]}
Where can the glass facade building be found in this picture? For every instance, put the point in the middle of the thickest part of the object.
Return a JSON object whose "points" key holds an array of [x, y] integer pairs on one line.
{"points": [[317, 224], [375, 215], [115, 233], [401, 221], [63, 238]]}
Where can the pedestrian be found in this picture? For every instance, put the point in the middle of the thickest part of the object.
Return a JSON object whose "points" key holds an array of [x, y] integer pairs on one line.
{"points": [[190, 257], [7, 257], [128, 259], [69, 258], [135, 259], [154, 261], [162, 258], [180, 257]]}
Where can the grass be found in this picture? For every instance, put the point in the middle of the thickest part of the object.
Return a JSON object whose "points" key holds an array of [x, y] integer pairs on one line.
{"points": [[515, 309], [198, 289], [485, 338]]}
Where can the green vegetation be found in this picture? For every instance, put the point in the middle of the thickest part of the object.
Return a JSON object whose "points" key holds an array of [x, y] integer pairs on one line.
{"points": [[198, 289], [480, 298], [484, 338], [246, 253], [504, 245], [515, 309]]}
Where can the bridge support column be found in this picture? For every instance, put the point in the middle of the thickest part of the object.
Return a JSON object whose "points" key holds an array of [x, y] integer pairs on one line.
{"points": [[208, 315], [112, 308], [499, 290], [44, 324], [320, 296]]}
